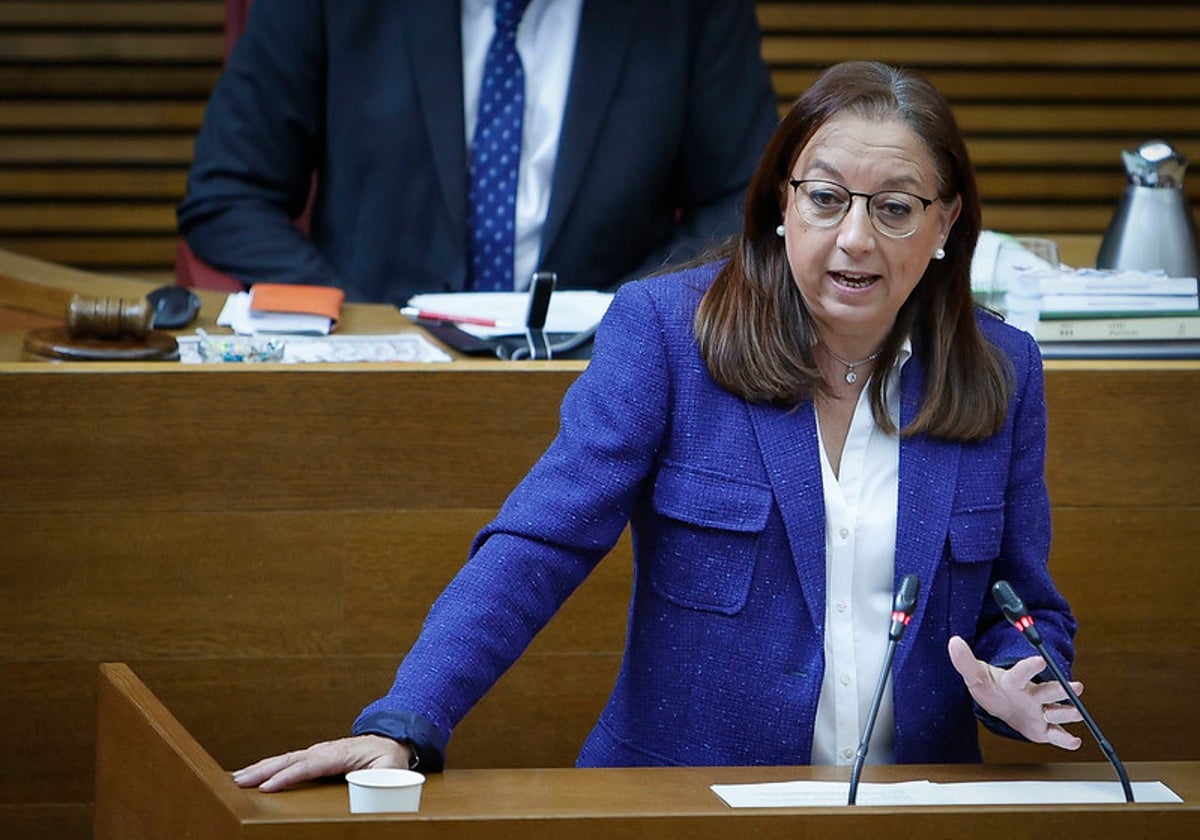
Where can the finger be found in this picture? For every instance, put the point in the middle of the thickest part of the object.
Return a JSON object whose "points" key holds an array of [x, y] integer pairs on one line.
{"points": [[973, 671], [1058, 714], [1053, 692], [1059, 737], [293, 774], [260, 771], [280, 771], [332, 758], [1023, 671]]}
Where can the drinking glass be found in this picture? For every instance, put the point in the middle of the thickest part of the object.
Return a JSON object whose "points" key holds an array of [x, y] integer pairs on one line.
{"points": [[1016, 258]]}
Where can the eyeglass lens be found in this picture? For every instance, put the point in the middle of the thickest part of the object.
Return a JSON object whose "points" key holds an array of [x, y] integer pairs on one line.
{"points": [[825, 203]]}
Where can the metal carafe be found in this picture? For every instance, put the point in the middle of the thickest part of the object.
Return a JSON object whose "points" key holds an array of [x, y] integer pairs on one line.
{"points": [[1152, 228]]}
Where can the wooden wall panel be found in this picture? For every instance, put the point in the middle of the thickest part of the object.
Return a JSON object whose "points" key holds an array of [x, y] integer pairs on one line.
{"points": [[1138, 454], [195, 585], [341, 447], [99, 104]]}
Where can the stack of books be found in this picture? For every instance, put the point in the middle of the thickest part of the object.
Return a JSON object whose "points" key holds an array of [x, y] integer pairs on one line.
{"points": [[1085, 313]]}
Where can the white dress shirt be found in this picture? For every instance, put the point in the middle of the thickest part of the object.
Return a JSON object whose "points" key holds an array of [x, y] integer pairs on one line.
{"points": [[860, 548], [546, 43]]}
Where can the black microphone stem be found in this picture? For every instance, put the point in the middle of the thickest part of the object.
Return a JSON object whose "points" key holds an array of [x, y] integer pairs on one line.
{"points": [[1105, 746], [902, 609], [861, 755], [1014, 610]]}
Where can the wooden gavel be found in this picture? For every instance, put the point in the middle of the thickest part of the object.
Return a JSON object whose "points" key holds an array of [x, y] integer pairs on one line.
{"points": [[109, 318]]}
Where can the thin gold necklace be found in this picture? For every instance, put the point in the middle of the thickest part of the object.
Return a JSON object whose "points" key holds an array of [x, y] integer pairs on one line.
{"points": [[851, 376]]}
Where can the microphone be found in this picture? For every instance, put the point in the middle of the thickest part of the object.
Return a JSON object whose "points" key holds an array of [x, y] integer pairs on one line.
{"points": [[1014, 610], [902, 610]]}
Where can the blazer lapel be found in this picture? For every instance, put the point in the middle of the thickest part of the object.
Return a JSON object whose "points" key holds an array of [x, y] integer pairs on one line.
{"points": [[600, 50], [435, 46], [928, 473], [788, 442]]}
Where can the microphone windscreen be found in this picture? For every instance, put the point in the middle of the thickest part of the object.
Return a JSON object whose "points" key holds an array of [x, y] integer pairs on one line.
{"points": [[906, 596], [1008, 600]]}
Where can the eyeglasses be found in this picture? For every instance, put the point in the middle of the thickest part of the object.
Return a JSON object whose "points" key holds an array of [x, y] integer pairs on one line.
{"points": [[893, 213]]}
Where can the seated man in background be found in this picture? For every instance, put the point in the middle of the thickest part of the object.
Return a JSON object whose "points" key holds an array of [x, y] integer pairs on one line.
{"points": [[639, 128]]}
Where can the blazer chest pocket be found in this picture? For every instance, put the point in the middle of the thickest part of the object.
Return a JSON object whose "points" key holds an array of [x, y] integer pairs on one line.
{"points": [[706, 538], [975, 535], [974, 543]]}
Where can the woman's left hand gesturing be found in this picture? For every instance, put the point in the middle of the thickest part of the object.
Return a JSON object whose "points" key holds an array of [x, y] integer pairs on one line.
{"points": [[1034, 709]]}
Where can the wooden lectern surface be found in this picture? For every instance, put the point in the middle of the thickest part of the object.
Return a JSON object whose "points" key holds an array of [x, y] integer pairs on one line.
{"points": [[154, 780]]}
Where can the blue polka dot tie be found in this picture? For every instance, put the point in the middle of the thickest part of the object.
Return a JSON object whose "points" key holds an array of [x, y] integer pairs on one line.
{"points": [[495, 154]]}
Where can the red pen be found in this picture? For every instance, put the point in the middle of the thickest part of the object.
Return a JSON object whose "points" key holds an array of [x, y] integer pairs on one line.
{"points": [[426, 315]]}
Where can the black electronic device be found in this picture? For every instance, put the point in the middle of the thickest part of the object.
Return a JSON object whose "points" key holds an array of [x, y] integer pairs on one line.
{"points": [[533, 342], [174, 307], [541, 287]]}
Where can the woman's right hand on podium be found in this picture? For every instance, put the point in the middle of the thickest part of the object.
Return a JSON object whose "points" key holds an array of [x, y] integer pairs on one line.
{"points": [[328, 758]]}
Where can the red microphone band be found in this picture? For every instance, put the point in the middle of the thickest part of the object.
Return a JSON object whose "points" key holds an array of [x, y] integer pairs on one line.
{"points": [[1023, 623], [902, 617]]}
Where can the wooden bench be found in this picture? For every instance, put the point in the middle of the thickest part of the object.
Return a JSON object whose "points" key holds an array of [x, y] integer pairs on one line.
{"points": [[100, 102]]}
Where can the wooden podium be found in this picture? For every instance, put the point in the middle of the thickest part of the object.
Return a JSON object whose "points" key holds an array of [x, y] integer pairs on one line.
{"points": [[153, 780]]}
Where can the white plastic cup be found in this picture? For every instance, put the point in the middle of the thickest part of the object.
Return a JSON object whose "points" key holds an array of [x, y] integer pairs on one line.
{"points": [[384, 790]]}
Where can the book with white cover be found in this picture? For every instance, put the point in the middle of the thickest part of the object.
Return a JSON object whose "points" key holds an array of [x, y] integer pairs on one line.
{"points": [[1089, 281], [1117, 303]]}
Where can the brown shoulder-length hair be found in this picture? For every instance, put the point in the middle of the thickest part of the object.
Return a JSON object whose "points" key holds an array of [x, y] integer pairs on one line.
{"points": [[754, 330]]}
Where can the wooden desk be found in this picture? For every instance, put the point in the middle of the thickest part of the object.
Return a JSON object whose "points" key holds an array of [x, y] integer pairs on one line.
{"points": [[35, 293], [154, 780], [272, 534]]}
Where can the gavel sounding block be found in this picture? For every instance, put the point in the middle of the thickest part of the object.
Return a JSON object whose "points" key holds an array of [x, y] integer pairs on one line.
{"points": [[103, 330], [57, 344]]}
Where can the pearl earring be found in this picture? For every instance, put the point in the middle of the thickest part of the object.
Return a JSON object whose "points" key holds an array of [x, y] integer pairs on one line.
{"points": [[779, 231], [939, 254]]}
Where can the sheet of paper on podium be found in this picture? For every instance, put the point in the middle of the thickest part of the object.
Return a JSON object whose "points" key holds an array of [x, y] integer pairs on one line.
{"points": [[923, 792]]}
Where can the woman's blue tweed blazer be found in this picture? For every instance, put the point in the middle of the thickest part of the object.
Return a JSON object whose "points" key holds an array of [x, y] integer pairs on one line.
{"points": [[723, 660]]}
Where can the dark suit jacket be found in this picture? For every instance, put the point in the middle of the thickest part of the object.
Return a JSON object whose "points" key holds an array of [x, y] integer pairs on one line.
{"points": [[669, 107], [724, 656]]}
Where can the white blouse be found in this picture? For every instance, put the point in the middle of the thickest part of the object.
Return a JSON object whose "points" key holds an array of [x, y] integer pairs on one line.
{"points": [[860, 548]]}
